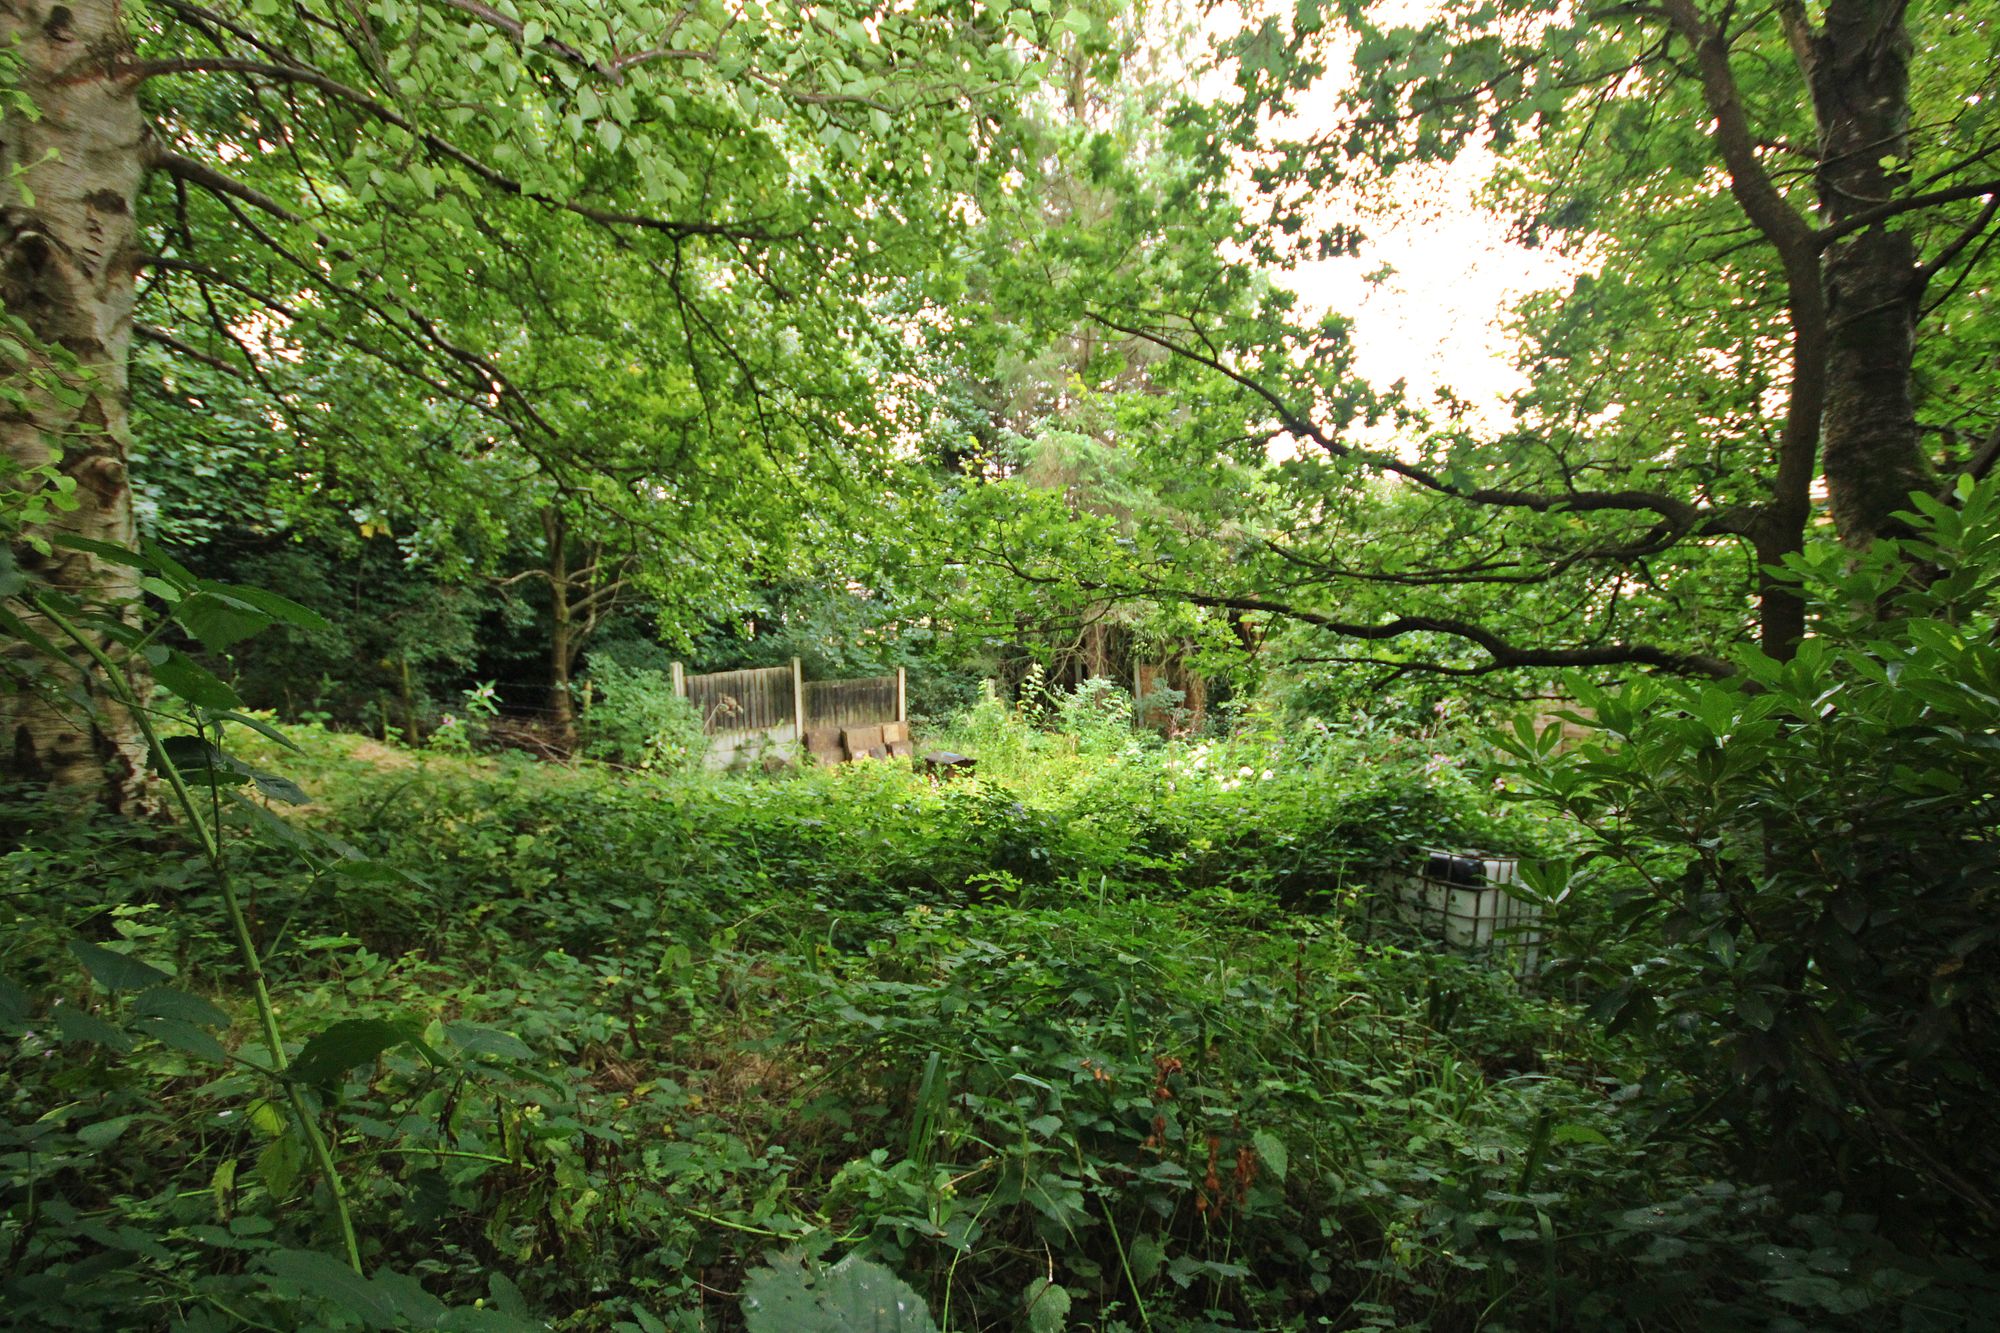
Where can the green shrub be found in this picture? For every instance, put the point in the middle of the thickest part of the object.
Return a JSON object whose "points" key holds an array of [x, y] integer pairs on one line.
{"points": [[635, 719], [1793, 878]]}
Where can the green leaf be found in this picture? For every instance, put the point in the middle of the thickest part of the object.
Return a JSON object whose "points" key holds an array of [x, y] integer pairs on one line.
{"points": [[1047, 1305], [187, 1038], [117, 555], [279, 788], [488, 1043], [1271, 1151], [350, 1042], [793, 1295], [187, 679], [17, 628], [78, 1026], [327, 1278], [262, 728], [105, 1132], [166, 1002], [278, 1166], [113, 970], [199, 761], [15, 1009], [1146, 1256], [220, 622], [1578, 1134], [283, 610]]}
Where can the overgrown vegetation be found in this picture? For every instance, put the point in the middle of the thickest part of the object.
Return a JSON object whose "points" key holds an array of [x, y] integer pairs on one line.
{"points": [[1104, 1038], [397, 396]]}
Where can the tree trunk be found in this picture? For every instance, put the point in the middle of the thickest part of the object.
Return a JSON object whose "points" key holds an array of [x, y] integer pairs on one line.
{"points": [[407, 691], [562, 638], [68, 252], [1859, 71]]}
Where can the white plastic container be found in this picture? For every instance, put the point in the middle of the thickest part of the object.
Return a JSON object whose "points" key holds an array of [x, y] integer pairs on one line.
{"points": [[1457, 898]]}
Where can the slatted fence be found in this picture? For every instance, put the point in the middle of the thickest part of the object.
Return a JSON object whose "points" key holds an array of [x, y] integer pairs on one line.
{"points": [[759, 699], [769, 711], [851, 703]]}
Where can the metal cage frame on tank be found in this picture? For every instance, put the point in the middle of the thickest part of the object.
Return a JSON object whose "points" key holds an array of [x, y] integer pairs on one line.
{"points": [[1457, 898]]}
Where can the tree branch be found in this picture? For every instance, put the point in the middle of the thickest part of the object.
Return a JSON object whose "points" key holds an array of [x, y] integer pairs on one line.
{"points": [[1868, 217], [1681, 513], [167, 340], [442, 147], [1956, 245]]}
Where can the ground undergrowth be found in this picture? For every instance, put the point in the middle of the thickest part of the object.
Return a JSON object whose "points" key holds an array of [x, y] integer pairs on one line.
{"points": [[1107, 1037]]}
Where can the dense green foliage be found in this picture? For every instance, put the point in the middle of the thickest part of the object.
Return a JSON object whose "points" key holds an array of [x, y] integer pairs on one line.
{"points": [[1796, 876], [1114, 1035], [396, 394]]}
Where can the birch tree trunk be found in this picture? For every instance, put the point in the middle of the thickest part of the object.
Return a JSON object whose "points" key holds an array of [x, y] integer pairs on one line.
{"points": [[68, 253]]}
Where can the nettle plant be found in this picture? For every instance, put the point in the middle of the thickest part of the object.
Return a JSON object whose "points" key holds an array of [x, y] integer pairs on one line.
{"points": [[1792, 879], [140, 1023]]}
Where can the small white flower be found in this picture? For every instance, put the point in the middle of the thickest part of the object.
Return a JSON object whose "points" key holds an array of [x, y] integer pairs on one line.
{"points": [[1266, 775], [1245, 771]]}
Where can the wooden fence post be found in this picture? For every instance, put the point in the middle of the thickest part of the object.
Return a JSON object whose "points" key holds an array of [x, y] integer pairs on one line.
{"points": [[680, 682], [799, 701], [902, 697]]}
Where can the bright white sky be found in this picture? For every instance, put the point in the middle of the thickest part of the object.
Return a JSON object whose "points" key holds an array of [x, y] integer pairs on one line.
{"points": [[1436, 320]]}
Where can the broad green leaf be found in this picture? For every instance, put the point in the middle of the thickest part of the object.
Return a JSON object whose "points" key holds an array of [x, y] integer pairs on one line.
{"points": [[281, 609], [490, 1043], [186, 1038], [1047, 1306], [119, 555], [187, 679], [329, 1279], [219, 622], [166, 1002], [1271, 1151], [105, 1132], [78, 1026], [199, 762], [278, 1166], [15, 1008], [279, 788], [1146, 1255], [116, 971], [261, 727], [1578, 1134], [350, 1042], [793, 1295]]}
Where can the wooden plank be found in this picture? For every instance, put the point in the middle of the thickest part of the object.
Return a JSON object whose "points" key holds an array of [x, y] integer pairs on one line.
{"points": [[756, 699], [863, 742]]}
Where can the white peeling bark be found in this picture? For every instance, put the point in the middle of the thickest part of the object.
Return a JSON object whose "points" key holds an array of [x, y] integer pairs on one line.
{"points": [[68, 254]]}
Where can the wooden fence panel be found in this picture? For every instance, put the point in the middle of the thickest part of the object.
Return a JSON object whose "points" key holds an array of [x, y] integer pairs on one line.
{"points": [[850, 703], [754, 700]]}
